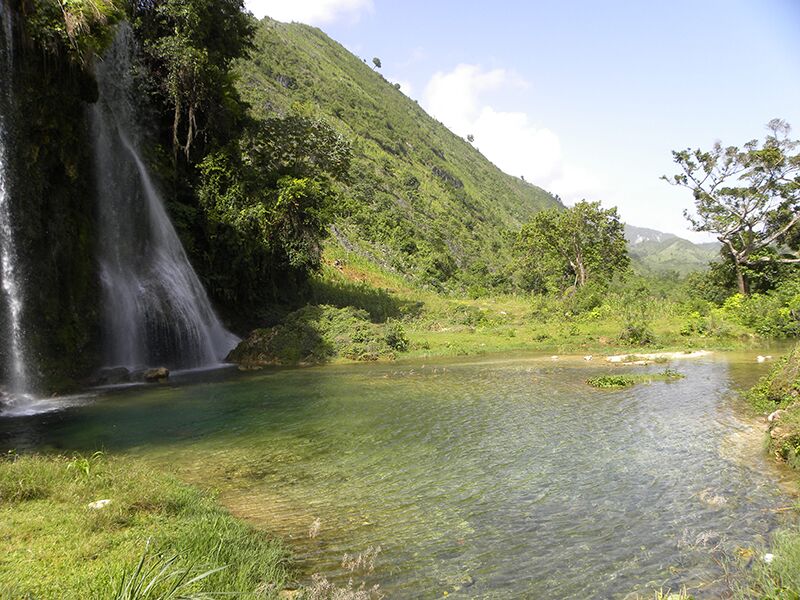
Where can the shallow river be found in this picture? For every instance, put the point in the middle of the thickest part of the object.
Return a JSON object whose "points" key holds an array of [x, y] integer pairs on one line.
{"points": [[496, 478]]}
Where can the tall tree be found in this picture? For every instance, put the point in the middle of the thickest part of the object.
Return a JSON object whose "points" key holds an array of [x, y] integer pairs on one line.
{"points": [[189, 46], [748, 197], [572, 247], [274, 193]]}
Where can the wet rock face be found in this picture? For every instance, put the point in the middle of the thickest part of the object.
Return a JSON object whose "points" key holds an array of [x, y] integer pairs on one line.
{"points": [[112, 376]]}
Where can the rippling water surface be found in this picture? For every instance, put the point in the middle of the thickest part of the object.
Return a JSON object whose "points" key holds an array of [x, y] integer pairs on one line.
{"points": [[496, 479]]}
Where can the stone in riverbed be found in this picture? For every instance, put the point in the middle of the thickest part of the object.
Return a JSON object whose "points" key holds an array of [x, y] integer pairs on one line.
{"points": [[157, 375], [776, 415]]}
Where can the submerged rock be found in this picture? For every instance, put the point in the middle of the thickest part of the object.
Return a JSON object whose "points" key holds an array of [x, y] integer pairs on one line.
{"points": [[157, 375]]}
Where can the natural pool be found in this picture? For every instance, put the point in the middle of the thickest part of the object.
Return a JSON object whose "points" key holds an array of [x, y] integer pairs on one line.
{"points": [[497, 478]]}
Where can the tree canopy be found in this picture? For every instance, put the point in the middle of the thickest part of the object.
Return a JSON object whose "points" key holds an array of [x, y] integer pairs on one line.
{"points": [[189, 46], [749, 197], [558, 249], [272, 192]]}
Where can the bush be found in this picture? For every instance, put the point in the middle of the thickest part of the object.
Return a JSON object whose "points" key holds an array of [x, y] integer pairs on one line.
{"points": [[780, 387], [773, 314], [396, 336], [316, 334], [637, 333], [623, 381]]}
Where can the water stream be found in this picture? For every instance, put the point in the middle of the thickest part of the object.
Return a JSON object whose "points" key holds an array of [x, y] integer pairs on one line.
{"points": [[157, 312], [502, 478], [11, 298]]}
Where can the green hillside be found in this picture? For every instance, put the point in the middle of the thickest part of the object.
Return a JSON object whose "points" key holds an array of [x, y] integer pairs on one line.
{"points": [[421, 201], [653, 251]]}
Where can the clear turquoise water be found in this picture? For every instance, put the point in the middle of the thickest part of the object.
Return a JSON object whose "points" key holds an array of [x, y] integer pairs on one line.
{"points": [[503, 478]]}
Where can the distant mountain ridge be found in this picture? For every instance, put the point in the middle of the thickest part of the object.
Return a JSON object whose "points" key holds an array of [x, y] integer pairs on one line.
{"points": [[653, 251]]}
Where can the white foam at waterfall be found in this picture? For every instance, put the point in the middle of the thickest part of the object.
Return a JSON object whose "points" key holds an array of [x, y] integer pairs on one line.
{"points": [[156, 310]]}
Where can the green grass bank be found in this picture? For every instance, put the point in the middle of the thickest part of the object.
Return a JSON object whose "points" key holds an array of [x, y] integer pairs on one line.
{"points": [[53, 544]]}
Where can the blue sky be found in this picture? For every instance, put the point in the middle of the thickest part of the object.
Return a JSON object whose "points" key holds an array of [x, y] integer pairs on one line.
{"points": [[584, 98]]}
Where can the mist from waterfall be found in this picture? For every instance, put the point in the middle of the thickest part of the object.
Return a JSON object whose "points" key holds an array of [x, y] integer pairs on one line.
{"points": [[156, 311], [12, 299]]}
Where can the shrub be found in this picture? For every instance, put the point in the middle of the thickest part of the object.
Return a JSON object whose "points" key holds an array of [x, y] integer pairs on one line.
{"points": [[780, 387], [637, 334], [316, 334], [396, 336]]}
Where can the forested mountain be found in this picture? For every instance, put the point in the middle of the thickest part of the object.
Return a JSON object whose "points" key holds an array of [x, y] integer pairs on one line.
{"points": [[654, 251], [420, 200]]}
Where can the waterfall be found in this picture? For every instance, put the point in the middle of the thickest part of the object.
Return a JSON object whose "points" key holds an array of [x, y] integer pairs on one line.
{"points": [[156, 311], [16, 368]]}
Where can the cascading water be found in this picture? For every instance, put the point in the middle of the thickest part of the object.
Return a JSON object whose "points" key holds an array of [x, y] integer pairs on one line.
{"points": [[17, 377], [156, 310]]}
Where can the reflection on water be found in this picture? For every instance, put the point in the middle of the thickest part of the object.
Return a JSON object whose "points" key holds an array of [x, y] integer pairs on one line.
{"points": [[500, 479]]}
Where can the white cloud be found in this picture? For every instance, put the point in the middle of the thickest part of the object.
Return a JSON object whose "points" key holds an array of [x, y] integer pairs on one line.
{"points": [[511, 140], [313, 12]]}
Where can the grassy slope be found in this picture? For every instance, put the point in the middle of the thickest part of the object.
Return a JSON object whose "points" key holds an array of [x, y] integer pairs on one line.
{"points": [[419, 194], [53, 546]]}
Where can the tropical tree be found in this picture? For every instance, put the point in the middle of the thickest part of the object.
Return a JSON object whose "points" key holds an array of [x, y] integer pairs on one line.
{"points": [[270, 196], [189, 46], [572, 247], [749, 197]]}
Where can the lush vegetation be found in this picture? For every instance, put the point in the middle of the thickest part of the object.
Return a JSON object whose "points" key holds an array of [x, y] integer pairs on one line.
{"points": [[53, 544], [778, 394], [749, 198], [559, 249], [325, 209], [420, 201], [624, 381], [316, 334], [269, 137]]}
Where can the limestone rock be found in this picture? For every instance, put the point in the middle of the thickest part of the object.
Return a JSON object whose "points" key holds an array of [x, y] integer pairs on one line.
{"points": [[156, 375]]}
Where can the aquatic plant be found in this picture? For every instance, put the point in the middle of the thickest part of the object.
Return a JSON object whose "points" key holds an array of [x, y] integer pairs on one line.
{"points": [[363, 562], [623, 381]]}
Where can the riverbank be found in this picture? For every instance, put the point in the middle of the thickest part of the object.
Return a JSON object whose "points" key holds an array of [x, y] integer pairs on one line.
{"points": [[775, 572], [78, 526]]}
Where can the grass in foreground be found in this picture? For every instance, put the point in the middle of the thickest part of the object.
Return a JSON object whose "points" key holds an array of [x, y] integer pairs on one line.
{"points": [[52, 545], [773, 575]]}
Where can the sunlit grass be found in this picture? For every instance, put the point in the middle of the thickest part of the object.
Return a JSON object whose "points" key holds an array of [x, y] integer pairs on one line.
{"points": [[448, 325], [53, 545]]}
